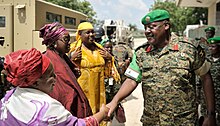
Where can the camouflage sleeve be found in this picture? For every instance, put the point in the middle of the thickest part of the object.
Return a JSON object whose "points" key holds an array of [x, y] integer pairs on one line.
{"points": [[133, 71], [201, 66]]}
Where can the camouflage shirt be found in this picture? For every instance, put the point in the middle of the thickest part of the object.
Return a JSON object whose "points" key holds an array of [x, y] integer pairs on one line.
{"points": [[215, 72], [168, 81], [122, 52], [206, 48]]}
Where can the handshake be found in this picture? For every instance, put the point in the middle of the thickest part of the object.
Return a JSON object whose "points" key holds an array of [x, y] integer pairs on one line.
{"points": [[106, 112]]}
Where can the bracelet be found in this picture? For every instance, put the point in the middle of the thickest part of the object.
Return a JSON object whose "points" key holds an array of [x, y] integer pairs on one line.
{"points": [[211, 113]]}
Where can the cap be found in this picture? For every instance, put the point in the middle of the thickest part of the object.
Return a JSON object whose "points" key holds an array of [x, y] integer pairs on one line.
{"points": [[155, 15], [214, 40], [211, 28]]}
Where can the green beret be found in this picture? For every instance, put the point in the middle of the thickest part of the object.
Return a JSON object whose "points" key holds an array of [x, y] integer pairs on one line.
{"points": [[210, 29], [214, 40], [155, 15]]}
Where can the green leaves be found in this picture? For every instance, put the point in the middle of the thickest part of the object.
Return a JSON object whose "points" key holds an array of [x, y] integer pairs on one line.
{"points": [[182, 16]]}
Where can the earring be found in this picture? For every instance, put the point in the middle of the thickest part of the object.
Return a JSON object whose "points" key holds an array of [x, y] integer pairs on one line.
{"points": [[55, 46]]}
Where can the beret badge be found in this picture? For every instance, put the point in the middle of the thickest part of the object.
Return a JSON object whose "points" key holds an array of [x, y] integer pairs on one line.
{"points": [[214, 40], [147, 19]]}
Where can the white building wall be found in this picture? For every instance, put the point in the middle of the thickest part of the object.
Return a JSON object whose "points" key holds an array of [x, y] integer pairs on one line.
{"points": [[212, 14]]}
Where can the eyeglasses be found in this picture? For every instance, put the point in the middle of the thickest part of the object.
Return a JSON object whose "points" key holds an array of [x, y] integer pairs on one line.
{"points": [[154, 27]]}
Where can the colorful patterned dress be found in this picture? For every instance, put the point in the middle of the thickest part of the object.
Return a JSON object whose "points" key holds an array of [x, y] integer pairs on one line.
{"points": [[28, 106]]}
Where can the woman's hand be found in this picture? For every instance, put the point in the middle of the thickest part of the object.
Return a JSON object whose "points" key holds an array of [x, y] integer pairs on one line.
{"points": [[102, 114], [76, 55], [112, 105], [105, 110]]}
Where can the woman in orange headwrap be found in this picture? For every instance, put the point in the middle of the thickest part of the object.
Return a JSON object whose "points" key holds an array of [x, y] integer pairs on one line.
{"points": [[29, 103], [67, 90], [95, 64]]}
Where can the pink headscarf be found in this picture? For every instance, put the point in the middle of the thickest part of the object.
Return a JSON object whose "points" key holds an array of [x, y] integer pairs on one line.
{"points": [[24, 67], [51, 32]]}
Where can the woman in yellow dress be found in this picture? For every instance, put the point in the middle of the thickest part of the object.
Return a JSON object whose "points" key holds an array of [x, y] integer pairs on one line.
{"points": [[95, 64]]}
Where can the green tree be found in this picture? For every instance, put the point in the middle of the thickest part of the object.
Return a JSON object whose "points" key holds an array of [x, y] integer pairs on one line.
{"points": [[78, 5], [201, 14], [182, 16]]}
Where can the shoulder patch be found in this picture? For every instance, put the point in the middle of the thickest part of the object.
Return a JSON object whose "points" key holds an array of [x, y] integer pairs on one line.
{"points": [[190, 43]]}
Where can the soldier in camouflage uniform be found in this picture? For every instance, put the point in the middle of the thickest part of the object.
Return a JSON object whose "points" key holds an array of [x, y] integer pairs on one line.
{"points": [[123, 55], [210, 33], [214, 48], [167, 65]]}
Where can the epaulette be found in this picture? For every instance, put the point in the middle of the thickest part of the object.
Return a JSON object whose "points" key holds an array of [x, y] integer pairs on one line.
{"points": [[189, 41], [142, 46]]}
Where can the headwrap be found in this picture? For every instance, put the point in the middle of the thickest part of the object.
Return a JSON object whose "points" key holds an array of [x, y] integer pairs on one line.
{"points": [[83, 26], [51, 32], [24, 67]]}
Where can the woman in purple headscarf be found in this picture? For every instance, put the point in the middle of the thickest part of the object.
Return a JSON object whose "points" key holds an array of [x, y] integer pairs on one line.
{"points": [[67, 90]]}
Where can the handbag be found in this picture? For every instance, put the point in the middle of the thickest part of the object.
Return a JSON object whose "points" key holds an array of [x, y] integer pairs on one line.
{"points": [[120, 114]]}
